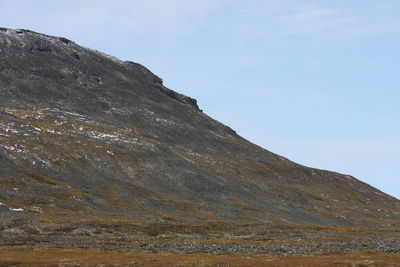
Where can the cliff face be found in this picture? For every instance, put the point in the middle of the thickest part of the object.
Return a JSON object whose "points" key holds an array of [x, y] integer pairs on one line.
{"points": [[85, 134]]}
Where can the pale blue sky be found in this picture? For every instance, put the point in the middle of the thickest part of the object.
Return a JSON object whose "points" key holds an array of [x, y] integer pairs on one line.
{"points": [[315, 81]]}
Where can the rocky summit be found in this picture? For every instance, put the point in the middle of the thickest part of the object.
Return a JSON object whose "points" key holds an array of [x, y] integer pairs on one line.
{"points": [[86, 137]]}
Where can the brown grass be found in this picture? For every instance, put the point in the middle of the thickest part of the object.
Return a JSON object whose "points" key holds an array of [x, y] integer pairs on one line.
{"points": [[73, 257]]}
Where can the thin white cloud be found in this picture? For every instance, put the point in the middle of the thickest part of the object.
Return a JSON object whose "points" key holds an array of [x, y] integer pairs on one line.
{"points": [[172, 17], [340, 23], [314, 20], [317, 20], [249, 20]]}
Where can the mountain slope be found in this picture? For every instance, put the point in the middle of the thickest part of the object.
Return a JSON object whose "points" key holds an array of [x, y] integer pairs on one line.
{"points": [[85, 134]]}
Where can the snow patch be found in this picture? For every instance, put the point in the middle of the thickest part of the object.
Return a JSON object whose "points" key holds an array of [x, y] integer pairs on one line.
{"points": [[17, 209]]}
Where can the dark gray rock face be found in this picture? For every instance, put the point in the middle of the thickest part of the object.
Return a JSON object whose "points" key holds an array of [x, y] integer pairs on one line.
{"points": [[86, 134]]}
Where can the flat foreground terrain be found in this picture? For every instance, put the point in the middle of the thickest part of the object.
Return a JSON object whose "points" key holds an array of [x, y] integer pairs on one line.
{"points": [[76, 257], [211, 244]]}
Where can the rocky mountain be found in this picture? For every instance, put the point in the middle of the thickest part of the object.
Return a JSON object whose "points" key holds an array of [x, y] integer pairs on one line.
{"points": [[86, 135]]}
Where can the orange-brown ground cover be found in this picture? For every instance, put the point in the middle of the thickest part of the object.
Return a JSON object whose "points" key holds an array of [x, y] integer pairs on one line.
{"points": [[75, 257]]}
